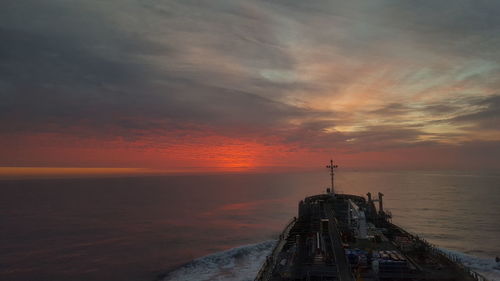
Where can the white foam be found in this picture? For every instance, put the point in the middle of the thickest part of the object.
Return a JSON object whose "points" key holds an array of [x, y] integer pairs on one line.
{"points": [[237, 264], [487, 267], [243, 263]]}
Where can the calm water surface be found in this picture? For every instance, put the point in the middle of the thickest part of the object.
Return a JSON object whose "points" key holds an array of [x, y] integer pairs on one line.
{"points": [[138, 228]]}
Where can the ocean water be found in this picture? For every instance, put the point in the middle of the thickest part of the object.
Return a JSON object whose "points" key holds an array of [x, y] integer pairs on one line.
{"points": [[219, 227]]}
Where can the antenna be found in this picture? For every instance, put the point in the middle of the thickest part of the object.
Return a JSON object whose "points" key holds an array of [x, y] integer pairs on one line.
{"points": [[332, 174]]}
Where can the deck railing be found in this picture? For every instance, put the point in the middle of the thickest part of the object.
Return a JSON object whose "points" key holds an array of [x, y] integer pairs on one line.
{"points": [[454, 259], [268, 266]]}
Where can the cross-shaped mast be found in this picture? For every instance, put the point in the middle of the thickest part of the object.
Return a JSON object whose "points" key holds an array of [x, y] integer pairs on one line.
{"points": [[332, 174]]}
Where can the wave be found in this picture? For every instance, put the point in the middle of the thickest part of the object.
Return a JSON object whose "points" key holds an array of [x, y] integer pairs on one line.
{"points": [[237, 264], [243, 263], [487, 267]]}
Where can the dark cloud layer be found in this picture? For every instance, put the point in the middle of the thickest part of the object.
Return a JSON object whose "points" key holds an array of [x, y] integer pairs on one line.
{"points": [[487, 117], [364, 75]]}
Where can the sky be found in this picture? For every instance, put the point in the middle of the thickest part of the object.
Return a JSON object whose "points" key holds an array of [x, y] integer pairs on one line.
{"points": [[242, 85]]}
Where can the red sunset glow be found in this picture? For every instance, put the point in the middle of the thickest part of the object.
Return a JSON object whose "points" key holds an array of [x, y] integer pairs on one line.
{"points": [[271, 93]]}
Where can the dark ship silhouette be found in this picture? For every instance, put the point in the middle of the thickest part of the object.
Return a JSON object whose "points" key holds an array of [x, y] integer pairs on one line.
{"points": [[346, 237]]}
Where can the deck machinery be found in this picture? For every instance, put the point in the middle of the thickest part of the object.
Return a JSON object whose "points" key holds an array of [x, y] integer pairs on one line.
{"points": [[345, 237]]}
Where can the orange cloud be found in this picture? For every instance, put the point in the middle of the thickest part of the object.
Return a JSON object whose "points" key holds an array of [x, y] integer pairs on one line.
{"points": [[49, 172]]}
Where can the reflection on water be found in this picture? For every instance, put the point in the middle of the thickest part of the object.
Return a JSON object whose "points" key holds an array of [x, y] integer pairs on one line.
{"points": [[136, 228]]}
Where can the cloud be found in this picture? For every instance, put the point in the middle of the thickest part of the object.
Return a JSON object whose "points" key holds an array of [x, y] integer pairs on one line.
{"points": [[363, 75], [486, 117]]}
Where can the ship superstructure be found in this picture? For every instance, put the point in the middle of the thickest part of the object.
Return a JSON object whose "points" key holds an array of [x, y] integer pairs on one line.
{"points": [[345, 237]]}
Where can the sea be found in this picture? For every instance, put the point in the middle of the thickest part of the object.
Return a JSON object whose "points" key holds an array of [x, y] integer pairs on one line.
{"points": [[220, 227]]}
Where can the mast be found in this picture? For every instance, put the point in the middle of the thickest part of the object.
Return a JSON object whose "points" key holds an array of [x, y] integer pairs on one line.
{"points": [[332, 174]]}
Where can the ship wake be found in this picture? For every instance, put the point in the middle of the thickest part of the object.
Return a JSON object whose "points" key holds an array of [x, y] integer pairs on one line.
{"points": [[487, 267], [237, 264], [243, 263]]}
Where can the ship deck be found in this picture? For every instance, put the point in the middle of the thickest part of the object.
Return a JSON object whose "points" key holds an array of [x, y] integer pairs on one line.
{"points": [[345, 238]]}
